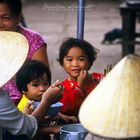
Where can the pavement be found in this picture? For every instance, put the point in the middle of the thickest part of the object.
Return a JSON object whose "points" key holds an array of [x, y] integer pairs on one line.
{"points": [[56, 20]]}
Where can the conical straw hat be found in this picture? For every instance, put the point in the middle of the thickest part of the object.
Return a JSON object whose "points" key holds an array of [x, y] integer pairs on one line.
{"points": [[112, 109], [13, 52]]}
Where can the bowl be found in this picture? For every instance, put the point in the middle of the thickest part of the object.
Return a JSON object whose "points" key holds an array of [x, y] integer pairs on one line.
{"points": [[54, 109], [73, 132]]}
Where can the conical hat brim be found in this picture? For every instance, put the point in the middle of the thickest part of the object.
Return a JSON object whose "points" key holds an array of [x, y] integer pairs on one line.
{"points": [[13, 51], [112, 109]]}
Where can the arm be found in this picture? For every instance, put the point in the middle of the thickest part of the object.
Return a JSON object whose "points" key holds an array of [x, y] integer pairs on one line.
{"points": [[41, 55], [67, 119], [12, 120], [27, 109], [49, 130], [83, 80], [87, 82], [52, 94]]}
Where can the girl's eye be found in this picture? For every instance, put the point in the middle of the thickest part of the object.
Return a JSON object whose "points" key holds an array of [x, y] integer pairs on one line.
{"points": [[46, 83], [82, 58], [6, 17], [34, 85], [68, 59]]}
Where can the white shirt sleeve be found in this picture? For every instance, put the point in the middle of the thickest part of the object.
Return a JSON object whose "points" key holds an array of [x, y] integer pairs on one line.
{"points": [[14, 121]]}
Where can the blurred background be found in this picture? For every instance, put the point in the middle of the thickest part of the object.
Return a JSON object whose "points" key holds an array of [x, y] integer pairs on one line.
{"points": [[56, 20]]}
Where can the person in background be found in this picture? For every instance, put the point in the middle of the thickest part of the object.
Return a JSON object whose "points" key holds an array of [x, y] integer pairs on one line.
{"points": [[76, 56], [11, 119], [10, 17]]}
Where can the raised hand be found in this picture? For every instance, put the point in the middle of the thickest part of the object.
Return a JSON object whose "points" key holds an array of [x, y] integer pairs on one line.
{"points": [[27, 109], [54, 92], [108, 69], [83, 78], [52, 95], [68, 119]]}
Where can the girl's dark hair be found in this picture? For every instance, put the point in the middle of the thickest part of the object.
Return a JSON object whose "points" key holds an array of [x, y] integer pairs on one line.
{"points": [[89, 50], [31, 70], [15, 6]]}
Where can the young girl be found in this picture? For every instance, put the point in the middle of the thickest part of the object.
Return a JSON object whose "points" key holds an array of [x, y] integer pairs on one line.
{"points": [[32, 80], [76, 57]]}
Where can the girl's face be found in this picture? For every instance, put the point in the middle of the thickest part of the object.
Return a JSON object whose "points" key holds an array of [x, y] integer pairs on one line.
{"points": [[75, 61], [36, 88], [8, 22]]}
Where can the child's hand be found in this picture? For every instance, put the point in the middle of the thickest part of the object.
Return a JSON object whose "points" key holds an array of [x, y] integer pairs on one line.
{"points": [[53, 93], [49, 130], [68, 119], [27, 109], [107, 69], [83, 78], [46, 119]]}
